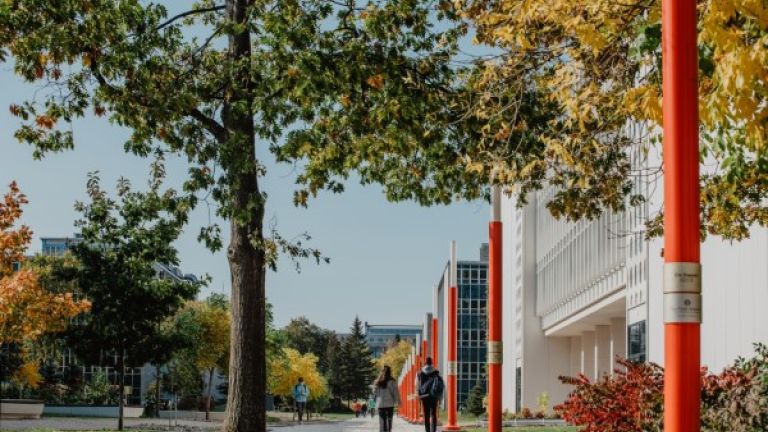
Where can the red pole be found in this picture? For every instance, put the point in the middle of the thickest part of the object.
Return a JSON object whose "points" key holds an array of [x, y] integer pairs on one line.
{"points": [[410, 389], [494, 312], [682, 269], [452, 368], [414, 370], [435, 329]]}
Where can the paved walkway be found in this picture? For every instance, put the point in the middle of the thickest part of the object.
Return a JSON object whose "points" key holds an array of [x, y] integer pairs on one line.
{"points": [[352, 425], [91, 424]]}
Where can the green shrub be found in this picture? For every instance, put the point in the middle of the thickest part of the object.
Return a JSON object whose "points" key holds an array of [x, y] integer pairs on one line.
{"points": [[475, 400]]}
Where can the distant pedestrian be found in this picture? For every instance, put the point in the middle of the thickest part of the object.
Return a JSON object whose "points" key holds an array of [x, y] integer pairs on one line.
{"points": [[300, 396], [358, 407], [430, 385], [387, 397], [372, 406]]}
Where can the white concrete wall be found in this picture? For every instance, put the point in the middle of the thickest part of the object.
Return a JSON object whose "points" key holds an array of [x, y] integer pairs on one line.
{"points": [[509, 314], [735, 297]]}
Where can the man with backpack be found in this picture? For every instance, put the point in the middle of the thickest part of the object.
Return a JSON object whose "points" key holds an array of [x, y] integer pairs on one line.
{"points": [[300, 396], [431, 387]]}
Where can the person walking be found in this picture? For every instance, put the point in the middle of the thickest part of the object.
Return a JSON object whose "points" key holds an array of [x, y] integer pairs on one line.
{"points": [[387, 397], [430, 386], [372, 406], [300, 396]]}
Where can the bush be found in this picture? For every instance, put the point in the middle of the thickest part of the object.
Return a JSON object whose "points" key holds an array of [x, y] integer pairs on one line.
{"points": [[475, 400], [735, 400], [526, 414]]}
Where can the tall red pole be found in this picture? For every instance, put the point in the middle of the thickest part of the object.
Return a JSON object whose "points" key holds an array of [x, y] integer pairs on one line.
{"points": [[452, 368], [682, 268], [435, 329], [494, 313]]}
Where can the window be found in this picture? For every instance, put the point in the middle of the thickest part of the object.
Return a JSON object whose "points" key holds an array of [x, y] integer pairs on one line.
{"points": [[636, 336]]}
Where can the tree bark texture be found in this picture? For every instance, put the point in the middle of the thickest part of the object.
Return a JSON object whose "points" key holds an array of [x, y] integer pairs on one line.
{"points": [[247, 364]]}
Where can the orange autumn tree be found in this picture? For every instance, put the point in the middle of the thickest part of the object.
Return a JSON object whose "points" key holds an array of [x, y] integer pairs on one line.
{"points": [[27, 311]]}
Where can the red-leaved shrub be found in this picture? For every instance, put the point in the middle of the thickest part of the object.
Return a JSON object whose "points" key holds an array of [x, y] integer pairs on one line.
{"points": [[628, 401], [632, 400]]}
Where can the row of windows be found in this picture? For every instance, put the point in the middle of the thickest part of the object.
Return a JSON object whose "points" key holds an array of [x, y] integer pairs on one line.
{"points": [[471, 355], [473, 291]]}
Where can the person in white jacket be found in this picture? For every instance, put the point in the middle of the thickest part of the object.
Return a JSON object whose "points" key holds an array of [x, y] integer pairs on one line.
{"points": [[387, 398]]}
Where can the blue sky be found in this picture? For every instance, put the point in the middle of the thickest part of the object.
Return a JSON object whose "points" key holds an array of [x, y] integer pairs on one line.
{"points": [[385, 257]]}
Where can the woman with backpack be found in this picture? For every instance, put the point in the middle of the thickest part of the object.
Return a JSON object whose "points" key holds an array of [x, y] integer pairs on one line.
{"points": [[387, 397]]}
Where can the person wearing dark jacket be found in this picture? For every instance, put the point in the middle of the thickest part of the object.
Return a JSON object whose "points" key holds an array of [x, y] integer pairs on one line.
{"points": [[430, 386]]}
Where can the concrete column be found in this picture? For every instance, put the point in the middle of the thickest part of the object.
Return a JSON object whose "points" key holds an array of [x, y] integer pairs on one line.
{"points": [[618, 340], [575, 356], [603, 363], [588, 354]]}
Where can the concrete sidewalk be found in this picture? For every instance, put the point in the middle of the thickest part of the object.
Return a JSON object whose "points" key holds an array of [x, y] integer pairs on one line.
{"points": [[353, 425], [92, 424]]}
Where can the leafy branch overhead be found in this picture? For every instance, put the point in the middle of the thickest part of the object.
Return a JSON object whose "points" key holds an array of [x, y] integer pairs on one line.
{"points": [[598, 66]]}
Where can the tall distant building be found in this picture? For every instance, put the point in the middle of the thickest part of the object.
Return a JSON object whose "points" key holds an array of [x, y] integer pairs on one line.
{"points": [[381, 336], [472, 323]]}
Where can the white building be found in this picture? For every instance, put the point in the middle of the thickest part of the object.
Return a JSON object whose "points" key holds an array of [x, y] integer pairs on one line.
{"points": [[578, 294]]}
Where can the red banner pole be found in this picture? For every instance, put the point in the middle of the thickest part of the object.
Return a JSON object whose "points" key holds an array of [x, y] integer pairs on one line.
{"points": [[452, 369], [494, 313], [682, 268]]}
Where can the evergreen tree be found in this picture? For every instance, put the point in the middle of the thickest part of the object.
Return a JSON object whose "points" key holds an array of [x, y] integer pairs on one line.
{"points": [[356, 364], [475, 400]]}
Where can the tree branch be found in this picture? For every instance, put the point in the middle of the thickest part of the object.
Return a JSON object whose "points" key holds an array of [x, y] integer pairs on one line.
{"points": [[188, 13], [216, 129]]}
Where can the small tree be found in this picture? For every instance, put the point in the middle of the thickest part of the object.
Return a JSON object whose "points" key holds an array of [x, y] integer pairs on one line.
{"points": [[123, 243], [211, 347], [286, 371], [475, 400], [307, 337], [27, 311]]}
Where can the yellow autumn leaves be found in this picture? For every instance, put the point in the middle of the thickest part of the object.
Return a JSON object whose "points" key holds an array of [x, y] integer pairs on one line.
{"points": [[284, 372], [395, 357]]}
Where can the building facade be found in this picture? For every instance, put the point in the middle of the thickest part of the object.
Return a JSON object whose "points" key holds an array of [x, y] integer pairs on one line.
{"points": [[382, 336], [577, 295], [472, 323]]}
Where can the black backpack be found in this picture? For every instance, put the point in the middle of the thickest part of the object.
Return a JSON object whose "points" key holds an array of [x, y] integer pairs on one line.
{"points": [[431, 386]]}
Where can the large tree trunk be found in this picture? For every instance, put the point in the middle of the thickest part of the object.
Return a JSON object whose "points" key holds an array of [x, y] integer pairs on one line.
{"points": [[247, 364]]}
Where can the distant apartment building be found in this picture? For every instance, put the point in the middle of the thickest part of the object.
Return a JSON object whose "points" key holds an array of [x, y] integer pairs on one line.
{"points": [[138, 379], [578, 294], [472, 284], [382, 336]]}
